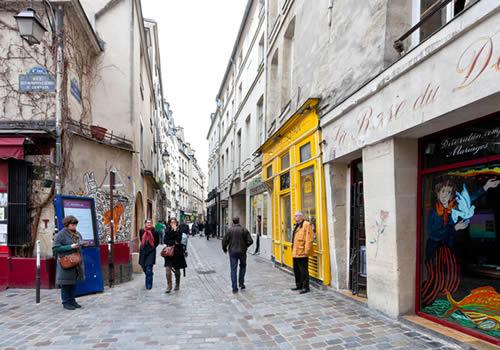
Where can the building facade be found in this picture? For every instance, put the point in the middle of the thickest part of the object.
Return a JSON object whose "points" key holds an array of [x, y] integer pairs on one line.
{"points": [[381, 127], [237, 131]]}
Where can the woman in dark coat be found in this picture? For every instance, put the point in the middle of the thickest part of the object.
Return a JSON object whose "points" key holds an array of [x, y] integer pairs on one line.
{"points": [[173, 237], [149, 239], [66, 242]]}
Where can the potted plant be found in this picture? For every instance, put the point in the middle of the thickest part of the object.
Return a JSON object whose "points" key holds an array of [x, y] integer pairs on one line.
{"points": [[98, 132]]}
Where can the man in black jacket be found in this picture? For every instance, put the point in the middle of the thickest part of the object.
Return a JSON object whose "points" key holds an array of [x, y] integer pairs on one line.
{"points": [[237, 240]]}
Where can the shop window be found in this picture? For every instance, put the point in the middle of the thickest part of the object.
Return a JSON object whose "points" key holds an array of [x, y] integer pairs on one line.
{"points": [[460, 263], [285, 161], [4, 200], [305, 152], [264, 213], [285, 181], [307, 196], [269, 171], [286, 218]]}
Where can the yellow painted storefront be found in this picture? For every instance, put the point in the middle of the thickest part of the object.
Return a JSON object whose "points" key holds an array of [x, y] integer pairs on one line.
{"points": [[293, 170]]}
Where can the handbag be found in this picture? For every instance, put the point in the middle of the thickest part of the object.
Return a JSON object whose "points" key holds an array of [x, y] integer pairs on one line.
{"points": [[167, 251], [70, 261]]}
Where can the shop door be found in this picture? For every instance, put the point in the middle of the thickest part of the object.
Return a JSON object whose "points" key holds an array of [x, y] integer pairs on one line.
{"points": [[286, 229], [357, 257]]}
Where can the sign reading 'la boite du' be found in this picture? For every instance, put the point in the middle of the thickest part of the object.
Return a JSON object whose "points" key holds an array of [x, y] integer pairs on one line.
{"points": [[37, 79]]}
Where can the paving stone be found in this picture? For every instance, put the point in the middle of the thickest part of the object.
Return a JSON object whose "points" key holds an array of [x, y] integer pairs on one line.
{"points": [[204, 314]]}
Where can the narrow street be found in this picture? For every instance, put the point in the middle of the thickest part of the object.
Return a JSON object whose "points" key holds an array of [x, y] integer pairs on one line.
{"points": [[204, 314]]}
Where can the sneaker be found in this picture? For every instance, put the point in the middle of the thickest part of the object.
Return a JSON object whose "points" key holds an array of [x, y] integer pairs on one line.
{"points": [[235, 290], [242, 286], [69, 307]]}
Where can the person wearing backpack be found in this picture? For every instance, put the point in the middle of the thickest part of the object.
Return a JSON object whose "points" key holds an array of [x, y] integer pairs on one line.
{"points": [[236, 241], [177, 261]]}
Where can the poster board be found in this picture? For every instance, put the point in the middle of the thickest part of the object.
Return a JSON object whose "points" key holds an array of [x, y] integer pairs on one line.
{"points": [[83, 208]]}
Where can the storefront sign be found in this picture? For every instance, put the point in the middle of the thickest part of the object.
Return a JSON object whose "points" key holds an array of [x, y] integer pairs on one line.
{"points": [[457, 145], [37, 79], [465, 71]]}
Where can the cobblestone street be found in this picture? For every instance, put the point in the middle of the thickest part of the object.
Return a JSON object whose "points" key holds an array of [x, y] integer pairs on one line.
{"points": [[204, 314]]}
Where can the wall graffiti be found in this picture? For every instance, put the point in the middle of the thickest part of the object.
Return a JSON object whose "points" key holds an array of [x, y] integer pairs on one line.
{"points": [[122, 210], [381, 226]]}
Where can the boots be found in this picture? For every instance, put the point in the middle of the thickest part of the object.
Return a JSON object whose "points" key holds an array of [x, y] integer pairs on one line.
{"points": [[177, 279], [169, 280]]}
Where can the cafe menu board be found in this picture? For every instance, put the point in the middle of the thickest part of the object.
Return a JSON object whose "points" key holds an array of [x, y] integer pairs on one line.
{"points": [[83, 210]]}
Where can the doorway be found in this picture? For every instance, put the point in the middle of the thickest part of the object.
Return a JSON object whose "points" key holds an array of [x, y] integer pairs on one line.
{"points": [[357, 258]]}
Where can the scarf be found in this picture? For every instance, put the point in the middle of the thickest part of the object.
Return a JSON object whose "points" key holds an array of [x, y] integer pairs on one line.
{"points": [[147, 237], [445, 212], [74, 236]]}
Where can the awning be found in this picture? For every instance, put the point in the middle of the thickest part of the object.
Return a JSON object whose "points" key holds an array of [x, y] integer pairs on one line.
{"points": [[12, 147]]}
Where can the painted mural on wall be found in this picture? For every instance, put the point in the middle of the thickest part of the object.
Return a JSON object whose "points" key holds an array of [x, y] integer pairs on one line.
{"points": [[461, 264], [121, 215]]}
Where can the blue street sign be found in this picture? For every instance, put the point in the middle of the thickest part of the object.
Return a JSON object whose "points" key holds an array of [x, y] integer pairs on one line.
{"points": [[37, 79]]}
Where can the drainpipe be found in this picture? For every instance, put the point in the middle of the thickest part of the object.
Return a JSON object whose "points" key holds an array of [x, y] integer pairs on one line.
{"points": [[131, 60], [59, 95]]}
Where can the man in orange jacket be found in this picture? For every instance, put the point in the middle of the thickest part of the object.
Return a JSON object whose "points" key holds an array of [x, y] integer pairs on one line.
{"points": [[302, 243]]}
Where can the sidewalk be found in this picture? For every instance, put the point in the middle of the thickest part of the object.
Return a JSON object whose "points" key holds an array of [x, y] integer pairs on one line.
{"points": [[204, 314]]}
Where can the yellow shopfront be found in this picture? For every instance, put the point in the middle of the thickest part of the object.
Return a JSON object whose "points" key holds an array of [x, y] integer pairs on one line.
{"points": [[293, 171]]}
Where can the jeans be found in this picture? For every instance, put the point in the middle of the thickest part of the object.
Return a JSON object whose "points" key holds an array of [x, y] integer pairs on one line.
{"points": [[301, 272], [148, 270], [234, 258], [68, 294]]}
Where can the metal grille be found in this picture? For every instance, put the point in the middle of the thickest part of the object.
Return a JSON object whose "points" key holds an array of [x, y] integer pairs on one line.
{"points": [[19, 229]]}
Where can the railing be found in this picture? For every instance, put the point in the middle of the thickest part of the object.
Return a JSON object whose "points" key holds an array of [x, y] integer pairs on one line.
{"points": [[85, 130], [424, 17]]}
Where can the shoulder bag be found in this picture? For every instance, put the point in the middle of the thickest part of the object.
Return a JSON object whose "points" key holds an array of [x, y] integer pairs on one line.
{"points": [[70, 261], [167, 251]]}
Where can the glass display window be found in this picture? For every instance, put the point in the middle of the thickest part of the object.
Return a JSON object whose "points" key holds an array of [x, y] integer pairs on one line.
{"points": [[460, 247]]}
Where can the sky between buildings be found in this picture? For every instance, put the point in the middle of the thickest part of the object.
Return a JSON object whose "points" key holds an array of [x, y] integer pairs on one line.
{"points": [[196, 40]]}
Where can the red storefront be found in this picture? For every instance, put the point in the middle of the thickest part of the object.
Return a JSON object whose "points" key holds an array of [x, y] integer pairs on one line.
{"points": [[458, 253]]}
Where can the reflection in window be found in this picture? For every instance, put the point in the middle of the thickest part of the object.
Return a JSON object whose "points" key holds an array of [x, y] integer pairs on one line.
{"points": [[307, 195], [285, 181], [285, 161], [264, 213], [286, 218], [460, 264], [305, 152], [269, 171]]}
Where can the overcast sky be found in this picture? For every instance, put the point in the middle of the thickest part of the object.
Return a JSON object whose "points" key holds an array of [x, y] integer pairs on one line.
{"points": [[196, 40]]}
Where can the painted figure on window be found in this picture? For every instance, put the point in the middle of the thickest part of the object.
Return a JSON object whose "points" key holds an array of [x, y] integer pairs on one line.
{"points": [[450, 214]]}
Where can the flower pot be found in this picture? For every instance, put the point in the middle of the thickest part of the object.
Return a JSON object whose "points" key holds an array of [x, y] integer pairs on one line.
{"points": [[98, 132]]}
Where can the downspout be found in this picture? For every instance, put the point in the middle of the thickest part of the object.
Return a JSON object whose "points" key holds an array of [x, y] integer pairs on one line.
{"points": [[132, 64]]}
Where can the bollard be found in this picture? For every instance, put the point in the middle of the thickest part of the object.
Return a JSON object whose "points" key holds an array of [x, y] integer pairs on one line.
{"points": [[38, 271]]}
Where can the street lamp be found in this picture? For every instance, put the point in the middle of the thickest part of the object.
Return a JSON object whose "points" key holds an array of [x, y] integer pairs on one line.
{"points": [[32, 30], [30, 26]]}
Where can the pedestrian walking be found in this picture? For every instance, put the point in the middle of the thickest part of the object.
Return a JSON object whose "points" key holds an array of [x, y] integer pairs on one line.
{"points": [[302, 243], [149, 239], [177, 261], [236, 241], [160, 228], [69, 269], [183, 227], [201, 227], [257, 240]]}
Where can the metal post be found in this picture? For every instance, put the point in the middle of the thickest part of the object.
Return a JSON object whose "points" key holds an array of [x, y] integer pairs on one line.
{"points": [[38, 271], [111, 267], [59, 96]]}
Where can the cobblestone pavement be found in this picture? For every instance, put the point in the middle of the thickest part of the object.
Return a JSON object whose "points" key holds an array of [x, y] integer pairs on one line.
{"points": [[204, 314]]}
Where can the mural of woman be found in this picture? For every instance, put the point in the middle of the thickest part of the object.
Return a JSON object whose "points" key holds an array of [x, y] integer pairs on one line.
{"points": [[450, 214]]}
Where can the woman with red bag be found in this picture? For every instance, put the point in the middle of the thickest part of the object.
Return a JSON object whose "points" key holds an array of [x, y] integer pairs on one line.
{"points": [[149, 239], [174, 261], [67, 244]]}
